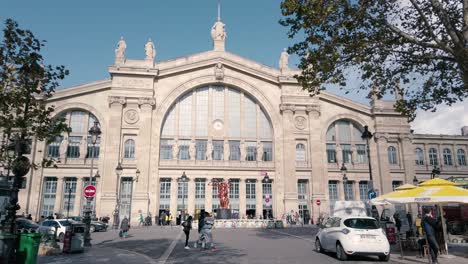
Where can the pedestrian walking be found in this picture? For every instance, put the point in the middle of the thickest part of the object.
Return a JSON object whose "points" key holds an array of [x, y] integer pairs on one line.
{"points": [[167, 219], [207, 232], [124, 226], [201, 238], [142, 221], [162, 219], [429, 225], [187, 225]]}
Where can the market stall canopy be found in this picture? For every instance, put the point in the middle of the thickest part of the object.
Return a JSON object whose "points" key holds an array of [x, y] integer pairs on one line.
{"points": [[381, 199], [431, 192]]}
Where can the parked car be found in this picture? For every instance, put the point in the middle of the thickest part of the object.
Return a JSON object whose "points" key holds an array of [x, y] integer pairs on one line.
{"points": [[353, 235], [96, 226], [23, 223], [48, 227]]}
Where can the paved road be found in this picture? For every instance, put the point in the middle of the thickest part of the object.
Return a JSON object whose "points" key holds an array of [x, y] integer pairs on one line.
{"points": [[253, 246]]}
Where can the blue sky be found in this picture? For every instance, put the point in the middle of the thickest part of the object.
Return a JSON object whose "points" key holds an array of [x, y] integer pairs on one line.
{"points": [[82, 35]]}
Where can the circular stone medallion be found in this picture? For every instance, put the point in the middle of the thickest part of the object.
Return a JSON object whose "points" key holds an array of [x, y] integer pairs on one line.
{"points": [[300, 122], [131, 116]]}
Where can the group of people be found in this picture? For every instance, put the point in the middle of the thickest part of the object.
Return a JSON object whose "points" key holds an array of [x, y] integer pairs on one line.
{"points": [[205, 235], [145, 221]]}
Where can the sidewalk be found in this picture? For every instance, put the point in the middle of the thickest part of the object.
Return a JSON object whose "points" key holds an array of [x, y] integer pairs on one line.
{"points": [[458, 254]]}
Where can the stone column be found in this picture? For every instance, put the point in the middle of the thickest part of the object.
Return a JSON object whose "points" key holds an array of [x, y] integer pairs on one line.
{"points": [[382, 179], [407, 150], [289, 149], [59, 196], [208, 195], [190, 202], [259, 197], [242, 197], [78, 196], [173, 202]]}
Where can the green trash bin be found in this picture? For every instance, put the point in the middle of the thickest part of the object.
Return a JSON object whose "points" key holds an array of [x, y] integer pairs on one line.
{"points": [[28, 247]]}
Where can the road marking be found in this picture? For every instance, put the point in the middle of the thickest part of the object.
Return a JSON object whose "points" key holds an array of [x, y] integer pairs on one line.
{"points": [[167, 253], [303, 238]]}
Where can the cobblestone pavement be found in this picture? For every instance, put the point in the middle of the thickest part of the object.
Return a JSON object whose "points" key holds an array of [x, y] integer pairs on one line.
{"points": [[244, 246]]}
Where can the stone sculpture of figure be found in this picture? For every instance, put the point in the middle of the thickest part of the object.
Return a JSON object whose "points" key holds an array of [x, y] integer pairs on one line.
{"points": [[209, 150], [242, 151], [283, 61], [83, 147], [175, 150], [63, 147], [259, 151], [219, 71], [120, 50], [218, 32], [226, 150], [192, 150], [150, 51]]}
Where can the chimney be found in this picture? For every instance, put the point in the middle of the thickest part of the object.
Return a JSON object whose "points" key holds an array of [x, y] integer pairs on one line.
{"points": [[464, 131]]}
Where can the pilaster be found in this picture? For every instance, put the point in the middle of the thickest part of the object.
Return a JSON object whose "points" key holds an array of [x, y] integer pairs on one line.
{"points": [[173, 203], [191, 197], [78, 196], [259, 198], [408, 157], [59, 195], [289, 149], [208, 195], [242, 197], [382, 181]]}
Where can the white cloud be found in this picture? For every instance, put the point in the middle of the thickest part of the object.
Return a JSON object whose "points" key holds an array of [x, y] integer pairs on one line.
{"points": [[447, 120]]}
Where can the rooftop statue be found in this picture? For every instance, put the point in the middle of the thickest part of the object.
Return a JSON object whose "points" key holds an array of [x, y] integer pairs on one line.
{"points": [[284, 60], [120, 50], [150, 51], [218, 32]]}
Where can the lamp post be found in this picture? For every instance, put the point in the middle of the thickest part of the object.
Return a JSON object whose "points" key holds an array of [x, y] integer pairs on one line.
{"points": [[183, 179], [95, 132], [118, 172], [367, 135], [343, 170], [267, 180], [435, 171]]}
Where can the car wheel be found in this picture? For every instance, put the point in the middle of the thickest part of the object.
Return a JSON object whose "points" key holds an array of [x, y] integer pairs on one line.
{"points": [[61, 237], [384, 257], [340, 253], [318, 246], [92, 229]]}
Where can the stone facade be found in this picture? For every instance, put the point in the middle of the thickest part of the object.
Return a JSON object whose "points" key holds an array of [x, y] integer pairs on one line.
{"points": [[132, 108]]}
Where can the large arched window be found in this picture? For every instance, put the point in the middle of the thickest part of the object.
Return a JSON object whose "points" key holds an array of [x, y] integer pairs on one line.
{"points": [[433, 157], [419, 155], [448, 157], [224, 123], [300, 152], [76, 144], [129, 149], [392, 155], [461, 157], [346, 135]]}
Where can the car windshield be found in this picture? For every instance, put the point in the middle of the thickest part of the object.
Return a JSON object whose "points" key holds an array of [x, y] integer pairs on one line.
{"points": [[66, 222], [26, 222], [361, 223]]}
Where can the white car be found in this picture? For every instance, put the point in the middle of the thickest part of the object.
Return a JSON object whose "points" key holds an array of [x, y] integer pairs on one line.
{"points": [[48, 227], [353, 235]]}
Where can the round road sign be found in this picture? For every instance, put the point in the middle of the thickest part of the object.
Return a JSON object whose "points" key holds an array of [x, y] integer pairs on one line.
{"points": [[89, 191], [318, 202]]}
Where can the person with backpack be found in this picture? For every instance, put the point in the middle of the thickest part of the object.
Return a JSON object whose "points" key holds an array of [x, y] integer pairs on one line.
{"points": [[207, 231], [187, 225]]}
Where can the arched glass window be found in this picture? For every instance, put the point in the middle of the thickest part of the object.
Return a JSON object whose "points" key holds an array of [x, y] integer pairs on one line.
{"points": [[448, 157], [300, 152], [433, 157], [129, 149], [346, 135], [392, 155], [461, 157], [419, 155]]}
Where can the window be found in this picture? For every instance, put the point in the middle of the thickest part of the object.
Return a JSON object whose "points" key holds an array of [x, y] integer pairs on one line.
{"points": [[126, 187], [302, 190], [73, 149], [333, 193], [234, 114], [48, 196], [300, 152], [347, 135], [396, 184], [361, 154], [69, 190], [419, 154], [251, 151], [218, 149], [234, 189], [461, 157], [250, 118], [363, 188], [447, 157], [347, 153], [202, 112], [392, 155], [331, 153], [53, 149], [267, 190], [267, 151], [348, 191], [234, 150], [184, 146], [185, 115], [250, 190], [201, 149], [182, 189], [129, 149], [433, 157], [199, 189], [93, 150], [166, 149], [165, 189], [78, 121]]}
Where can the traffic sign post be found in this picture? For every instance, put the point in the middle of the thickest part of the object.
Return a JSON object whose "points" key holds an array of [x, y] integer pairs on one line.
{"points": [[318, 202], [89, 191]]}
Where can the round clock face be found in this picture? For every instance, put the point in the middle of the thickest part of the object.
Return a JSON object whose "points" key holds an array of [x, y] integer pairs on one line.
{"points": [[218, 124]]}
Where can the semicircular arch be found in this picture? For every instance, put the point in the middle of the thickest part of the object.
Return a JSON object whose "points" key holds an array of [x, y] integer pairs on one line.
{"points": [[352, 118]]}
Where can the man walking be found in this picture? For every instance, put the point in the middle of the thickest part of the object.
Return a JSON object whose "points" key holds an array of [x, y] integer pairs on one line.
{"points": [[187, 227], [124, 226], [429, 226]]}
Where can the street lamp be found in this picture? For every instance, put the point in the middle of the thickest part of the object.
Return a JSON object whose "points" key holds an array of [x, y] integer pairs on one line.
{"points": [[415, 181], [137, 174], [183, 179], [95, 132], [367, 135], [118, 172], [343, 170], [435, 171], [267, 180]]}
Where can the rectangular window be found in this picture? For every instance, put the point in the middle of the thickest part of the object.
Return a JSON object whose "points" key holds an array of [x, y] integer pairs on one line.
{"points": [[331, 153], [185, 115], [250, 190], [73, 149], [234, 150], [250, 118], [166, 149], [267, 190], [48, 196], [218, 103], [202, 112], [234, 189], [184, 149], [182, 189], [348, 191], [251, 151], [218, 149], [69, 191], [234, 113], [93, 151], [200, 189], [361, 153], [201, 149], [126, 188], [267, 151], [53, 149], [333, 193], [78, 121], [265, 126], [169, 123], [165, 189], [363, 188], [302, 190], [347, 156], [344, 131]]}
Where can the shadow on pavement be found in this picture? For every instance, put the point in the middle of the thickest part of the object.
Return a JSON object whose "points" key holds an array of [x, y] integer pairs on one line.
{"points": [[153, 248], [223, 254]]}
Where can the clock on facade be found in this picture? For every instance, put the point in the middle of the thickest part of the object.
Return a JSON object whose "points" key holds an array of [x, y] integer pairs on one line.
{"points": [[218, 124]]}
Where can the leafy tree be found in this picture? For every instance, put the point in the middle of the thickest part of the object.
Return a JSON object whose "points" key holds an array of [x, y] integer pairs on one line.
{"points": [[418, 48]]}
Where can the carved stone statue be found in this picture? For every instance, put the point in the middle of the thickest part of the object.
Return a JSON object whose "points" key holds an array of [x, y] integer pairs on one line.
{"points": [[259, 151], [209, 150], [150, 51], [219, 71], [242, 151], [83, 147], [226, 150], [218, 32], [284, 61], [192, 150], [175, 150], [120, 50], [63, 148]]}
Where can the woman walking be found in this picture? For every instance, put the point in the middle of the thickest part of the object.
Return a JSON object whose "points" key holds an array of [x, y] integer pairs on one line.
{"points": [[124, 226], [187, 224]]}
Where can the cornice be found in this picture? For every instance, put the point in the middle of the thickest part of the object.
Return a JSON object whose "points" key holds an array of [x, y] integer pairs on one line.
{"points": [[82, 89]]}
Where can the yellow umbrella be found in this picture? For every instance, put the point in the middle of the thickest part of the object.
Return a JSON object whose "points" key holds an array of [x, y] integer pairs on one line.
{"points": [[381, 199]]}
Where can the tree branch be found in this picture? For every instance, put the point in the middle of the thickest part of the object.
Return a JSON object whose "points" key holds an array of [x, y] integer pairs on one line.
{"points": [[465, 22], [443, 16]]}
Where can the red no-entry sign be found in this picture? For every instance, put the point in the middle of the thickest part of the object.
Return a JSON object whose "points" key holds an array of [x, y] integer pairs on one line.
{"points": [[89, 191], [317, 202]]}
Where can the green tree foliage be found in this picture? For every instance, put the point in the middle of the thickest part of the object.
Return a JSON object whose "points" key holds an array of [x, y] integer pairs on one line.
{"points": [[25, 85], [418, 48]]}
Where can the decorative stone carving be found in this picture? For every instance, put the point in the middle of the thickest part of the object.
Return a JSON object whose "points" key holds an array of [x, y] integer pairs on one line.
{"points": [[83, 147], [116, 100], [259, 151], [219, 71], [226, 150], [192, 151], [218, 35], [120, 51], [242, 151], [300, 122], [175, 150], [132, 83], [380, 136], [313, 108], [287, 107], [131, 116], [405, 137], [284, 61], [209, 150], [150, 51], [63, 148], [146, 101]]}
